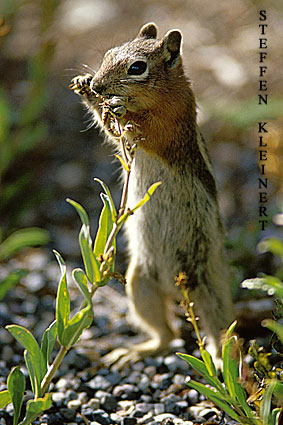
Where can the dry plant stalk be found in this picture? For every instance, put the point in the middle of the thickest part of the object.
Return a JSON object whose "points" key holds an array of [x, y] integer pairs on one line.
{"points": [[182, 281]]}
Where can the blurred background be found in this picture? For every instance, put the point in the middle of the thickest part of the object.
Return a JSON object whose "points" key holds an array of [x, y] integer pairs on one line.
{"points": [[47, 152]]}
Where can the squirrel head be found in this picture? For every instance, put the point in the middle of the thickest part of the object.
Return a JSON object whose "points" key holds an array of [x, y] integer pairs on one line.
{"points": [[143, 70]]}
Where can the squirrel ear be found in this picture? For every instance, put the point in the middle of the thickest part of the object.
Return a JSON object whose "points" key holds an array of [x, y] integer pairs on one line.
{"points": [[148, 31], [172, 47]]}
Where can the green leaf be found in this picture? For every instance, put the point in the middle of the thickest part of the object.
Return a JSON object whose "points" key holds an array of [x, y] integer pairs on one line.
{"points": [[11, 281], [276, 416], [265, 405], [24, 337], [80, 210], [81, 321], [200, 367], [31, 372], [5, 398], [35, 407], [143, 201], [91, 264], [230, 367], [83, 318], [105, 226], [112, 205], [207, 392], [62, 300], [147, 196], [124, 165], [47, 344], [208, 362], [16, 384], [22, 238], [274, 327], [81, 280], [273, 245]]}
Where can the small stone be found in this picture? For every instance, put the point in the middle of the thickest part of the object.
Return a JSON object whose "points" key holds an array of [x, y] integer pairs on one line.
{"points": [[99, 383], [62, 384], [127, 392], [5, 336], [159, 408], [114, 378], [133, 378], [107, 401], [129, 421], [125, 405], [144, 408], [7, 353], [164, 416], [171, 405], [175, 364], [100, 416], [208, 413], [83, 397], [34, 281], [153, 361], [165, 382], [74, 404], [94, 403], [150, 371], [192, 396], [144, 383], [182, 405], [71, 395], [58, 397], [138, 367], [68, 414], [178, 379], [146, 398]]}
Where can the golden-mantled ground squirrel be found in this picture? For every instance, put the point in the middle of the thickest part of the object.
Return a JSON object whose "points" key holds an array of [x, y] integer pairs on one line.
{"points": [[179, 229]]}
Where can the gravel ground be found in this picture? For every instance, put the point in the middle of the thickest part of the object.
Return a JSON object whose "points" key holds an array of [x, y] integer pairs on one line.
{"points": [[153, 391]]}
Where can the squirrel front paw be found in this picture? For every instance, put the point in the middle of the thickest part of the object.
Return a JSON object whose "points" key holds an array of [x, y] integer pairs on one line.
{"points": [[81, 84]]}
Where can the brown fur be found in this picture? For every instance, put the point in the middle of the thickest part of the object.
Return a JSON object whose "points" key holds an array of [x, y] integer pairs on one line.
{"points": [[179, 229]]}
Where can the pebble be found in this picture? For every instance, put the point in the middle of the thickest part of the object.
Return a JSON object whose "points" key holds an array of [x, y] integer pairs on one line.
{"points": [[175, 364], [127, 392], [58, 397], [34, 281], [107, 401], [99, 383], [83, 397], [149, 392], [159, 408], [74, 404], [128, 421], [68, 414], [94, 403], [192, 396]]}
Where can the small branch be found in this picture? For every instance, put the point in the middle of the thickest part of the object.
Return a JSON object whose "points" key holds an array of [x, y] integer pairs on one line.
{"points": [[128, 159], [55, 365], [182, 281]]}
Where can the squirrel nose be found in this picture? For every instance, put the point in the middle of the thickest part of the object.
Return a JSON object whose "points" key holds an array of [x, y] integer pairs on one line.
{"points": [[98, 88]]}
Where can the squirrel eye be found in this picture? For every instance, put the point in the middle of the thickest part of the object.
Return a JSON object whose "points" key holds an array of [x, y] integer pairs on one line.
{"points": [[137, 68]]}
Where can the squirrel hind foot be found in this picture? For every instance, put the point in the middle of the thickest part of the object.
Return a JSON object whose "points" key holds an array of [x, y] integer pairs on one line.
{"points": [[120, 357]]}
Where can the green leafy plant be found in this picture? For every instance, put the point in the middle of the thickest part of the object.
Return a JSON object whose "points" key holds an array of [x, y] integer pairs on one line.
{"points": [[230, 395], [21, 128], [18, 240], [99, 267]]}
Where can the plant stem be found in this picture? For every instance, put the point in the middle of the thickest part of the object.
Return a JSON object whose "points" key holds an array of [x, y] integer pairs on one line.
{"points": [[128, 161], [50, 373]]}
